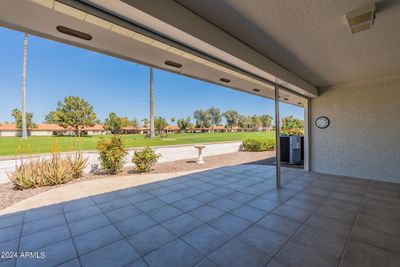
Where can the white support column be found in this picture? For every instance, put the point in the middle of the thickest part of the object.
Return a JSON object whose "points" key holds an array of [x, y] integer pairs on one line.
{"points": [[307, 135], [277, 138]]}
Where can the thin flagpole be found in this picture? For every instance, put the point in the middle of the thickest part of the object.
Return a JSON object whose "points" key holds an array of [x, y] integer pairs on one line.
{"points": [[152, 132], [24, 126]]}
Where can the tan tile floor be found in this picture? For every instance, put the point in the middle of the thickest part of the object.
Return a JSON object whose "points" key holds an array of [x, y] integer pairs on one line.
{"points": [[229, 216]]}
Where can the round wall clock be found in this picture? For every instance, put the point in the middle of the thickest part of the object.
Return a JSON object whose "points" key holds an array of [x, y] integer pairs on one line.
{"points": [[322, 122]]}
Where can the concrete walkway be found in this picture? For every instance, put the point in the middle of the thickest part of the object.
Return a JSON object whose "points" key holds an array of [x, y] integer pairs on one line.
{"points": [[84, 189], [168, 153]]}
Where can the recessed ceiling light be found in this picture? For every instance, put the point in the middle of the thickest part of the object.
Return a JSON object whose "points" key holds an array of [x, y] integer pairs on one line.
{"points": [[173, 64], [256, 90], [74, 33], [225, 80], [286, 99], [361, 19], [299, 103]]}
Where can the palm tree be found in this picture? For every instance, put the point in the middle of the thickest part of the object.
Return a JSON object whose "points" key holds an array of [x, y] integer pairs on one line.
{"points": [[152, 132], [24, 128]]}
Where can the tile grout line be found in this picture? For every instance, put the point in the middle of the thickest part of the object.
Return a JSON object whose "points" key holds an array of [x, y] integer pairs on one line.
{"points": [[207, 223], [298, 229], [251, 225], [352, 227], [20, 238], [204, 223], [72, 239], [146, 191]]}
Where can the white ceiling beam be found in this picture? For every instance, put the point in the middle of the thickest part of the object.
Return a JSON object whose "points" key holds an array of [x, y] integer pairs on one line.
{"points": [[174, 21]]}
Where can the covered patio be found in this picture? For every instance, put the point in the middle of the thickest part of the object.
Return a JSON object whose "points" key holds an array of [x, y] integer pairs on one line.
{"points": [[230, 216], [305, 54]]}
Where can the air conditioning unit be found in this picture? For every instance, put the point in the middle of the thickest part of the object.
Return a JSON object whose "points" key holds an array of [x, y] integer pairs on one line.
{"points": [[291, 149]]}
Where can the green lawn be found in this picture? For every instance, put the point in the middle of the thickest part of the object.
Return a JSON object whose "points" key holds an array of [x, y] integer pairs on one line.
{"points": [[10, 146]]}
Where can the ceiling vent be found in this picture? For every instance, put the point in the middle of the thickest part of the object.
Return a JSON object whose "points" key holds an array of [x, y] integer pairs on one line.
{"points": [[361, 19]]}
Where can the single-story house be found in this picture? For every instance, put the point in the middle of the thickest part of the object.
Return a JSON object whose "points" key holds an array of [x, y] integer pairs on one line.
{"points": [[135, 130], [46, 129], [9, 129], [172, 129], [219, 129], [97, 129]]}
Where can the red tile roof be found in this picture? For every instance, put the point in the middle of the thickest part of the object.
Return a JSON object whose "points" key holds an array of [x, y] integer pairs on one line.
{"points": [[218, 127], [8, 127], [97, 127], [171, 128], [49, 127], [134, 128]]}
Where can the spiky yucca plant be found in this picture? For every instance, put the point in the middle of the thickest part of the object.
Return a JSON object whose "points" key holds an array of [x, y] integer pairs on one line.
{"points": [[47, 172]]}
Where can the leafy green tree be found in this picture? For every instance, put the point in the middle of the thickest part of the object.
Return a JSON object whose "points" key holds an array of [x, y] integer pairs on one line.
{"points": [[159, 124], [17, 114], [244, 121], [185, 124], [173, 120], [231, 117], [73, 112], [215, 115], [290, 122], [203, 118], [114, 123], [50, 118], [255, 122], [126, 122], [266, 120]]}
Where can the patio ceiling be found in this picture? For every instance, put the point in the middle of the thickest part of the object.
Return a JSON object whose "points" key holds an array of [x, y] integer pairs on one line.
{"points": [[312, 38]]}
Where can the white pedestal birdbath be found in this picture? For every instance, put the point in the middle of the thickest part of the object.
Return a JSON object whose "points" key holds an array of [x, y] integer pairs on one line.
{"points": [[200, 156]]}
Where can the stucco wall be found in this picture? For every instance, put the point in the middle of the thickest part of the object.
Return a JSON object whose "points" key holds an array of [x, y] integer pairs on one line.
{"points": [[41, 133], [363, 139], [10, 133]]}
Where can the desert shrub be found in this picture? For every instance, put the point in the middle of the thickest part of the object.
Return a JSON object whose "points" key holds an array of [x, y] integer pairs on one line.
{"points": [[47, 172], [78, 164], [144, 160], [112, 154], [26, 175], [294, 131], [56, 171], [258, 144]]}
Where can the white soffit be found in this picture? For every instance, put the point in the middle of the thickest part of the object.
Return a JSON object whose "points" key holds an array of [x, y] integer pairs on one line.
{"points": [[174, 21], [41, 18]]}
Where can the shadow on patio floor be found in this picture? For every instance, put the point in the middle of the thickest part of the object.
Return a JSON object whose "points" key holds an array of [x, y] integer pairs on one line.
{"points": [[229, 216]]}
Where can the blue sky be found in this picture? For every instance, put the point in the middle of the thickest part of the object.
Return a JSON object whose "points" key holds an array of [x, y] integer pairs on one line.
{"points": [[55, 70]]}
